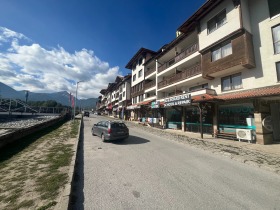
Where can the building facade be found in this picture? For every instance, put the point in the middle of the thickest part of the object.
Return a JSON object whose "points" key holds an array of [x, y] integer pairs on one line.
{"points": [[220, 75]]}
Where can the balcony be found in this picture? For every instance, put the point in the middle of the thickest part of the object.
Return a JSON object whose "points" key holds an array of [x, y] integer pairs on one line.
{"points": [[187, 52], [149, 85], [137, 93], [150, 71], [242, 57], [177, 92], [185, 74]]}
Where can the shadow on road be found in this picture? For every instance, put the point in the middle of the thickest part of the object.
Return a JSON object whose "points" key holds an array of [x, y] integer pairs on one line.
{"points": [[130, 140], [77, 194]]}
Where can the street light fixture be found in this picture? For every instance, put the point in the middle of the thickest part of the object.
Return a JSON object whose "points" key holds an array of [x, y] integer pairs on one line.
{"points": [[76, 99]]}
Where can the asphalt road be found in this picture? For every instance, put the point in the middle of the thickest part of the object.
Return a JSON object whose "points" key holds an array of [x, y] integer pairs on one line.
{"points": [[150, 172]]}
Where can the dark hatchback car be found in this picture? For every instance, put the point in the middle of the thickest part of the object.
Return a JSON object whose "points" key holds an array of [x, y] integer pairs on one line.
{"points": [[110, 130], [86, 114]]}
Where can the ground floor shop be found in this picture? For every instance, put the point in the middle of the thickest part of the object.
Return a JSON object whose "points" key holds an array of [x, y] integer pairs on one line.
{"points": [[256, 120]]}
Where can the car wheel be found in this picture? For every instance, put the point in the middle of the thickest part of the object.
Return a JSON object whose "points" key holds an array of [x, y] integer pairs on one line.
{"points": [[93, 133], [102, 137]]}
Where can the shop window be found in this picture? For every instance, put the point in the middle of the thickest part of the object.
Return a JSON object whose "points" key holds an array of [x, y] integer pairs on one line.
{"points": [[276, 38], [216, 22], [232, 82], [274, 7], [236, 116], [222, 51], [278, 71], [134, 77], [140, 73]]}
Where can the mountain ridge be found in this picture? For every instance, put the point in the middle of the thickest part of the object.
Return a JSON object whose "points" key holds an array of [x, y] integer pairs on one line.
{"points": [[61, 97]]}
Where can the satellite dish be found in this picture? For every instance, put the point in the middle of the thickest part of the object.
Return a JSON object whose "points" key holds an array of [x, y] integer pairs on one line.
{"points": [[267, 123]]}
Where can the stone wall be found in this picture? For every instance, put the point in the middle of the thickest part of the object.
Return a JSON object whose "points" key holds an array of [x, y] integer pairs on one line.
{"points": [[17, 134]]}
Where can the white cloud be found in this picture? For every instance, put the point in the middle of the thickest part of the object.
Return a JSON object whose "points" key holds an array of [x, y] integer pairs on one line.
{"points": [[37, 69]]}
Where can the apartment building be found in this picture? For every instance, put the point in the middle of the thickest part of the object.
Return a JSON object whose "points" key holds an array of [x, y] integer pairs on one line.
{"points": [[219, 75], [124, 97], [226, 60], [136, 65]]}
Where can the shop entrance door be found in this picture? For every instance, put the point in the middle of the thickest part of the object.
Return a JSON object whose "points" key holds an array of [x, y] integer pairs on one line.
{"points": [[275, 113]]}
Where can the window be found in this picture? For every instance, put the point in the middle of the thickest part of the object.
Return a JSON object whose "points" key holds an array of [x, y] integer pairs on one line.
{"points": [[278, 70], [222, 51], [123, 94], [216, 22], [274, 7], [140, 61], [232, 82], [134, 77], [276, 39], [140, 73]]}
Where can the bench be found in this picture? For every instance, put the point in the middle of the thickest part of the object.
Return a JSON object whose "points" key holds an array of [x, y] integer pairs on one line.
{"points": [[226, 135]]}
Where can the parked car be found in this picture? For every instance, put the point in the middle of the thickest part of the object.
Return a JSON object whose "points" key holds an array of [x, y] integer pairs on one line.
{"points": [[110, 130], [86, 114]]}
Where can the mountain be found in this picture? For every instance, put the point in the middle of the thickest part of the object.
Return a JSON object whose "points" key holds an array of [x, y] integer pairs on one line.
{"points": [[59, 97]]}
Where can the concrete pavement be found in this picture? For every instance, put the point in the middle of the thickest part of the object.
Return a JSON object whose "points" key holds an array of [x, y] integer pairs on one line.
{"points": [[263, 156]]}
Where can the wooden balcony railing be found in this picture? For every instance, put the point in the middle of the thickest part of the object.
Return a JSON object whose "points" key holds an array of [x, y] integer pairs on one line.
{"points": [[185, 74], [150, 71], [187, 52], [137, 93], [150, 84]]}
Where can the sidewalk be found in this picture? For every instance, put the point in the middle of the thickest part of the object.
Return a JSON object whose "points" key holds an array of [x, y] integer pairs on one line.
{"points": [[263, 156]]}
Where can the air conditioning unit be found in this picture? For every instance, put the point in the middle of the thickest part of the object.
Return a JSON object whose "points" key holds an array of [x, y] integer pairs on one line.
{"points": [[246, 134]]}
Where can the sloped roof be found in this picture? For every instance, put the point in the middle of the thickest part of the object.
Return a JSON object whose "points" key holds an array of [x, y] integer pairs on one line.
{"points": [[136, 56]]}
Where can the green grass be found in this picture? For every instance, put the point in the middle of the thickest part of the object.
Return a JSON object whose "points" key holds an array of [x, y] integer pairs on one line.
{"points": [[49, 185], [44, 170], [53, 203], [74, 128]]}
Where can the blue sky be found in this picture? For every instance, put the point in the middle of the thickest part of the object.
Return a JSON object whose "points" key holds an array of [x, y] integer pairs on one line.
{"points": [[48, 45]]}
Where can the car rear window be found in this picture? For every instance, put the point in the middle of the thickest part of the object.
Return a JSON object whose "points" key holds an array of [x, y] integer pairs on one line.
{"points": [[118, 125]]}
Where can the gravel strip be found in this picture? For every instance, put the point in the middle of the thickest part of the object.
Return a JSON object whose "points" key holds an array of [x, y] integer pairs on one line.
{"points": [[24, 122]]}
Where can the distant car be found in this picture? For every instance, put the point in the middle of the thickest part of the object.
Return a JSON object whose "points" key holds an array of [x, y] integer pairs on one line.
{"points": [[110, 130], [86, 114]]}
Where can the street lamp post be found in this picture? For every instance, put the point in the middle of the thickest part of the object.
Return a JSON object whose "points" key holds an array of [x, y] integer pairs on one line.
{"points": [[76, 99]]}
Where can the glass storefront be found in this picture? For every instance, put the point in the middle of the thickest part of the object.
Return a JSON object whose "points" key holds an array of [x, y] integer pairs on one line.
{"points": [[174, 119], [236, 116], [193, 119]]}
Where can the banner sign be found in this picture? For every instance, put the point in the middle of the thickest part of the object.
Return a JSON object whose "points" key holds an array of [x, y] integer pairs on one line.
{"points": [[180, 100], [133, 107], [155, 104]]}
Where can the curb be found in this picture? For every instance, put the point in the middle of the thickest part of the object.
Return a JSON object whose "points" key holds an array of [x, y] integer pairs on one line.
{"points": [[64, 200]]}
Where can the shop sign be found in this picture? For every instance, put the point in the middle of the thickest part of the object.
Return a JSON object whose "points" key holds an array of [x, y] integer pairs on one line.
{"points": [[155, 105], [236, 109], [133, 107], [180, 100]]}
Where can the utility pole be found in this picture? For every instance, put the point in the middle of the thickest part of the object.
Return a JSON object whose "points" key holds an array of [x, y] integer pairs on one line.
{"points": [[76, 99]]}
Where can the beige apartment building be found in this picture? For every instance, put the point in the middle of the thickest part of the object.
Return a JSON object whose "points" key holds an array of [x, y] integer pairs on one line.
{"points": [[226, 58], [220, 75]]}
